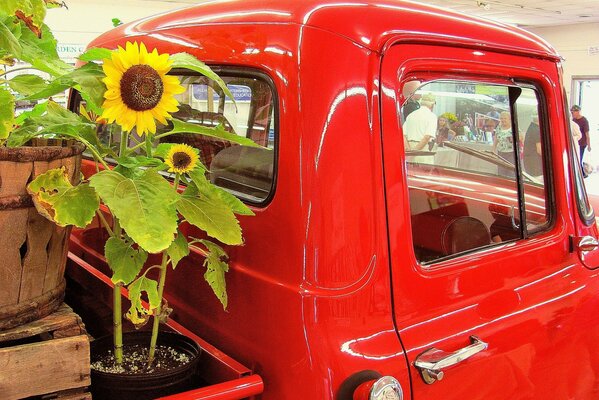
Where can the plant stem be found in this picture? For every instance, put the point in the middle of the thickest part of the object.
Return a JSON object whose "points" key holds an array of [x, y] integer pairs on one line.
{"points": [[16, 69], [161, 282], [104, 222], [117, 317], [124, 143], [148, 142], [118, 324], [158, 310]]}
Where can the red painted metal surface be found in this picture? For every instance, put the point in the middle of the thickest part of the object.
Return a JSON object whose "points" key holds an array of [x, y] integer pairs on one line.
{"points": [[326, 286], [232, 390], [227, 378]]}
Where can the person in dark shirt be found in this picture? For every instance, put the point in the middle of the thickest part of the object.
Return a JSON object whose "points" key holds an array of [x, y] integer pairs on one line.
{"points": [[585, 141], [412, 103], [533, 163]]}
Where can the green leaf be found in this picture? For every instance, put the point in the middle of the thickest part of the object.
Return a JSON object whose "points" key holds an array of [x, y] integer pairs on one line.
{"points": [[27, 84], [55, 121], [49, 89], [162, 149], [38, 109], [178, 249], [216, 264], [186, 60], [138, 314], [138, 161], [144, 205], [124, 261], [215, 193], [213, 217], [95, 54], [89, 78], [9, 42], [41, 52], [58, 200], [218, 132], [7, 113], [31, 12]]}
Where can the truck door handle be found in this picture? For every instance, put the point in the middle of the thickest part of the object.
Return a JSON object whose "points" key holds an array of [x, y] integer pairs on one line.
{"points": [[584, 243], [432, 362]]}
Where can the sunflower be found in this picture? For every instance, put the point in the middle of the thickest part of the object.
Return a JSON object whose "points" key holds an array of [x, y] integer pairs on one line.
{"points": [[138, 89], [181, 158]]}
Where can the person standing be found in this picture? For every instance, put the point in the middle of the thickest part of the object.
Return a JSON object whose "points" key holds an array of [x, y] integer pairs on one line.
{"points": [[585, 141], [421, 125], [503, 142], [533, 161]]}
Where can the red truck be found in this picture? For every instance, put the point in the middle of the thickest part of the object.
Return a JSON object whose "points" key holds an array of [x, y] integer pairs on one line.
{"points": [[392, 255]]}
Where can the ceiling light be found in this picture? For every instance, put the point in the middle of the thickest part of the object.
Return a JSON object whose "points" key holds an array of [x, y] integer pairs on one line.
{"points": [[483, 5], [497, 3]]}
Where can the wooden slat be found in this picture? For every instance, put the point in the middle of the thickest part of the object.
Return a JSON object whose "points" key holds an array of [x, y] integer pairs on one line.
{"points": [[71, 396], [44, 367], [13, 177], [58, 322], [57, 257], [39, 232], [13, 230]]}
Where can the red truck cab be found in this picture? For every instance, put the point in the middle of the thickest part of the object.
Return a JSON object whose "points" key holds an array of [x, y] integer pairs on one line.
{"points": [[464, 269]]}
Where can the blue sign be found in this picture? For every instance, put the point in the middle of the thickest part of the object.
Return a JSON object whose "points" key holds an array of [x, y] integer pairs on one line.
{"points": [[240, 92]]}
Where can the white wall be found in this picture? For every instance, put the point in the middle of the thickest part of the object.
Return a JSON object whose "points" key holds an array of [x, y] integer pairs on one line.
{"points": [[86, 19], [572, 43]]}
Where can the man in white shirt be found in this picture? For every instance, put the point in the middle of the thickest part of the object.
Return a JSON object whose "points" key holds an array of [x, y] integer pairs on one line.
{"points": [[421, 125]]}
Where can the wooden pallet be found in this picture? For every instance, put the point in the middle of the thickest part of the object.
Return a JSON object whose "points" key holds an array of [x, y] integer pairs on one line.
{"points": [[47, 358]]}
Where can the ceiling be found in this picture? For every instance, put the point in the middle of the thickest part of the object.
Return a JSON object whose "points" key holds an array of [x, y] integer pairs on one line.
{"points": [[531, 13]]}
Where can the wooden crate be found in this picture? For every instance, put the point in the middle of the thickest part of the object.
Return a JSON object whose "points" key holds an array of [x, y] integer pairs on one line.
{"points": [[47, 358]]}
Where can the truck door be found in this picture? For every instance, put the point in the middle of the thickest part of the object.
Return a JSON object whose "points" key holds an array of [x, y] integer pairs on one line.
{"points": [[491, 298]]}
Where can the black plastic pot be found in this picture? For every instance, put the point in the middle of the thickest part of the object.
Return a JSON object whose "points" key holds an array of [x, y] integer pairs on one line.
{"points": [[114, 386]]}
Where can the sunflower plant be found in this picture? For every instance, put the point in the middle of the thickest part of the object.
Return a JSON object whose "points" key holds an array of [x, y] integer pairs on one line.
{"points": [[150, 188]]}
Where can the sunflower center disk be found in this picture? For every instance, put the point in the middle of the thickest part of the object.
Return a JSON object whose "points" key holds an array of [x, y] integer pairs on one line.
{"points": [[141, 87], [181, 160]]}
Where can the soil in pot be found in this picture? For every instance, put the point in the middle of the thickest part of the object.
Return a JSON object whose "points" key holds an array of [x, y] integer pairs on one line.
{"points": [[173, 371]]}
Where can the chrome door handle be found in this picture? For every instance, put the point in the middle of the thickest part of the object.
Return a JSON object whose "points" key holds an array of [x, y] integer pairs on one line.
{"points": [[584, 243], [432, 362]]}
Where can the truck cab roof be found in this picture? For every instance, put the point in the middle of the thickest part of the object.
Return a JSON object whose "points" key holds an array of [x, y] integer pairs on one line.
{"points": [[369, 24]]}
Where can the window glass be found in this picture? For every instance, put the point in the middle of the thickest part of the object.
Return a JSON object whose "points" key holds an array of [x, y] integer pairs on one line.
{"points": [[527, 110], [244, 171], [471, 177]]}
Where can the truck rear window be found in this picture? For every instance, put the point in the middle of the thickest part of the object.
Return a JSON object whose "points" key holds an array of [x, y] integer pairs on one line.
{"points": [[247, 172]]}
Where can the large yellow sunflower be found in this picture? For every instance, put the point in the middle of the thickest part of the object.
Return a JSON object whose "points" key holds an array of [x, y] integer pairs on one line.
{"points": [[139, 91], [181, 158]]}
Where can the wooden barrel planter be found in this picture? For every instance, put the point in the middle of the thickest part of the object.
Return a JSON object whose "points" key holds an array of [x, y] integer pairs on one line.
{"points": [[33, 250]]}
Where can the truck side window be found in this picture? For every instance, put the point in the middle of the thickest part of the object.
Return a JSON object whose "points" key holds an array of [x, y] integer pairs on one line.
{"points": [[247, 172], [475, 167]]}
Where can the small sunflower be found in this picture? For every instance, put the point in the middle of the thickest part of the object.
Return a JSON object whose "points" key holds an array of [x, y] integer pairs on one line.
{"points": [[181, 158], [138, 89]]}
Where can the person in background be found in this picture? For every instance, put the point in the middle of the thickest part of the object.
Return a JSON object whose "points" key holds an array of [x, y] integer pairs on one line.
{"points": [[493, 114], [409, 93], [488, 132], [503, 141], [461, 132], [444, 132], [469, 122], [421, 125], [533, 162], [585, 141]]}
